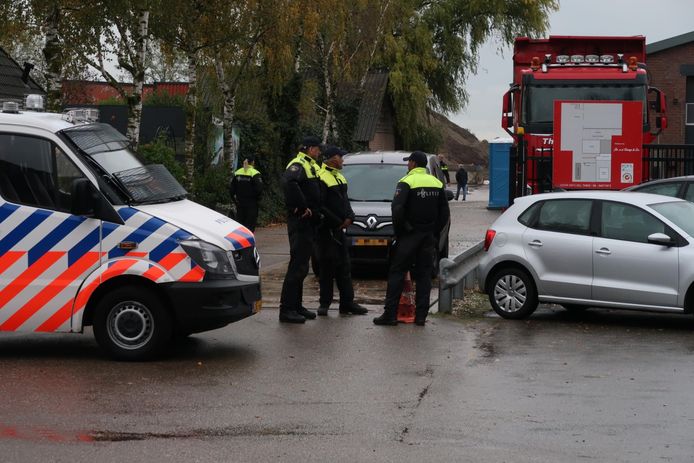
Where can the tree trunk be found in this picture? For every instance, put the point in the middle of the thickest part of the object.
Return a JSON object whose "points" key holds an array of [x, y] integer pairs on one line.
{"points": [[191, 105], [329, 126], [228, 116], [54, 60], [135, 100]]}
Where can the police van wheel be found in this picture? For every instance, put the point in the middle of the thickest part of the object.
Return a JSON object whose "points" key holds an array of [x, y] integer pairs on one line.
{"points": [[130, 323]]}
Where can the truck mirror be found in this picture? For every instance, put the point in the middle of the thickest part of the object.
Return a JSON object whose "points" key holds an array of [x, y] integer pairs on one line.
{"points": [[507, 111], [659, 101], [661, 122]]}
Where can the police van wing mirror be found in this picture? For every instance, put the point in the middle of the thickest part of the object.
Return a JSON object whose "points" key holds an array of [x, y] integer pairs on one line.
{"points": [[87, 201]]}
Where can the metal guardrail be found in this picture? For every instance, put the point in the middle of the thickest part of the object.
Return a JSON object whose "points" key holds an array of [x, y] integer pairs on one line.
{"points": [[458, 274]]}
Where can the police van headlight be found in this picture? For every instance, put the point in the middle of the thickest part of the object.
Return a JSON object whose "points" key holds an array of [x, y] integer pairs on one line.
{"points": [[214, 260]]}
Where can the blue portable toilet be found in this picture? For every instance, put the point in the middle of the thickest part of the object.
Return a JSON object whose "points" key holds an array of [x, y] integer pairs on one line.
{"points": [[499, 172]]}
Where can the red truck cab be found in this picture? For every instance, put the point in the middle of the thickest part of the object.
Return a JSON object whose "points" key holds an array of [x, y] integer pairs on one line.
{"points": [[569, 68]]}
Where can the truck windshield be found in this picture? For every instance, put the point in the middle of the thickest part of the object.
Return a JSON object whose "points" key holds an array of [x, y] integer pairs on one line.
{"points": [[108, 151], [538, 107]]}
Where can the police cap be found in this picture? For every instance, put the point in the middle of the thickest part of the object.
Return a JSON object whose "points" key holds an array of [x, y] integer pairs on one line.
{"points": [[332, 150], [310, 140], [419, 158]]}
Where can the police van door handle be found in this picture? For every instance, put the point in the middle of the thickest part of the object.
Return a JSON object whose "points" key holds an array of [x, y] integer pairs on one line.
{"points": [[605, 251], [536, 243]]}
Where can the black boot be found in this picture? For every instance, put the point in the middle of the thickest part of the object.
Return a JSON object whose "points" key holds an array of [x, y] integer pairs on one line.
{"points": [[385, 319], [323, 310], [291, 316], [353, 308], [307, 314]]}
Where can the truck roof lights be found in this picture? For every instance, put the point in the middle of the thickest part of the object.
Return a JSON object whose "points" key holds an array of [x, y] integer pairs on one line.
{"points": [[633, 63], [577, 59], [592, 59], [81, 115], [606, 59], [562, 59], [535, 63]]}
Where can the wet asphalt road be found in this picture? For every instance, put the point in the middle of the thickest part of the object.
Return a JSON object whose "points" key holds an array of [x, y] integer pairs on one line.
{"points": [[597, 386]]}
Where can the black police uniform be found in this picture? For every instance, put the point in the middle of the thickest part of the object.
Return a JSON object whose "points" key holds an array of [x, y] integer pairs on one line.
{"points": [[333, 256], [245, 189], [420, 212], [301, 192]]}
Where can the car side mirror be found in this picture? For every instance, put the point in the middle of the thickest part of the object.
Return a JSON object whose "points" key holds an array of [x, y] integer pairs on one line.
{"points": [[449, 195], [87, 201], [661, 238]]}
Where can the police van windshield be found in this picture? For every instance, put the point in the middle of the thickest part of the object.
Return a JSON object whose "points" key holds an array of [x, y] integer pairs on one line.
{"points": [[373, 182], [108, 150]]}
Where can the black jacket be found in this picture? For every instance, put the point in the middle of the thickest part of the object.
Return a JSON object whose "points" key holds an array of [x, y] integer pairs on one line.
{"points": [[301, 186], [246, 185], [336, 205], [461, 176], [419, 204]]}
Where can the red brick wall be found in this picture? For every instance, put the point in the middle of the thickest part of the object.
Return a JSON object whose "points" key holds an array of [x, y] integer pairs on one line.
{"points": [[664, 70]]}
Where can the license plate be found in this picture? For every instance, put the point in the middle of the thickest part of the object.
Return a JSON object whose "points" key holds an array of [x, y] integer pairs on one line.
{"points": [[370, 241], [257, 305]]}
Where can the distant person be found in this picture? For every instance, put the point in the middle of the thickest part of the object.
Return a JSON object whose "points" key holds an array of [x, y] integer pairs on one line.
{"points": [[302, 198], [245, 190], [461, 179], [334, 263], [444, 169], [420, 213]]}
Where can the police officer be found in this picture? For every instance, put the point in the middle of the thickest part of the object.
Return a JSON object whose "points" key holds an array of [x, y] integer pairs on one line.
{"points": [[420, 212], [302, 197], [444, 169], [334, 264], [245, 189]]}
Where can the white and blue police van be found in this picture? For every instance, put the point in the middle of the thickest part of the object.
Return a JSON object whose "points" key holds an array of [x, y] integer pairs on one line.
{"points": [[90, 236]]}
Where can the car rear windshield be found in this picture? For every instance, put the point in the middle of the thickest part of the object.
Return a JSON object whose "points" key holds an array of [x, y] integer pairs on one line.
{"points": [[373, 182], [681, 213]]}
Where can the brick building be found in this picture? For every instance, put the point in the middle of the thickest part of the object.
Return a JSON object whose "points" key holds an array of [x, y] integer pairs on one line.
{"points": [[671, 68]]}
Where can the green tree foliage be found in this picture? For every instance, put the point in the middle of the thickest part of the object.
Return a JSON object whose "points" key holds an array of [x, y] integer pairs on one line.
{"points": [[276, 70]]}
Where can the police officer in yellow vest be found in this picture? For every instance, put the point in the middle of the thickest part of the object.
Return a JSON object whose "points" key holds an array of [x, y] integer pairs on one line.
{"points": [[420, 212], [444, 169], [302, 197], [245, 189], [334, 264]]}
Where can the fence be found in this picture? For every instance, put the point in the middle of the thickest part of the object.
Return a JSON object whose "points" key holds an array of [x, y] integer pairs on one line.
{"points": [[458, 274], [659, 162]]}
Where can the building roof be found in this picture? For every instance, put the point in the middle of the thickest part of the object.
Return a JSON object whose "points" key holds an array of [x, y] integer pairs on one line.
{"points": [[672, 42], [371, 104], [12, 86]]}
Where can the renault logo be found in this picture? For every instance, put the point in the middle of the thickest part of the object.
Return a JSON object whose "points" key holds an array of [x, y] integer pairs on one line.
{"points": [[371, 222]]}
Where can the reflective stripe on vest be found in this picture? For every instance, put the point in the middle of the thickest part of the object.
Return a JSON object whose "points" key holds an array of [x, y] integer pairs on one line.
{"points": [[419, 178], [248, 172], [309, 164]]}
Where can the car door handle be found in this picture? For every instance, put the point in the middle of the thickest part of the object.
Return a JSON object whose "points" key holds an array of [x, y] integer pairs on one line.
{"points": [[537, 243], [603, 251]]}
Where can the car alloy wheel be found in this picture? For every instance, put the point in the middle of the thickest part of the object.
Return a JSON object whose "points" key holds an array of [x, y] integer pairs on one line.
{"points": [[512, 294]]}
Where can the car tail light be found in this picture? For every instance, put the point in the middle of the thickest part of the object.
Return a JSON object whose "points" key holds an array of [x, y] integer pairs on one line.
{"points": [[488, 238]]}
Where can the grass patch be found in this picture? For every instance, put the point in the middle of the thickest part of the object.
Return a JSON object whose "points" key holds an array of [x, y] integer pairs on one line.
{"points": [[475, 304]]}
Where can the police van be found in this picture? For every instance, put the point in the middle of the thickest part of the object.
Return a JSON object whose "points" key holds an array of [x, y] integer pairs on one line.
{"points": [[90, 236]]}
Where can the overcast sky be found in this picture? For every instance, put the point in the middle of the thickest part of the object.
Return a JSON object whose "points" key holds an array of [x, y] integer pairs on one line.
{"points": [[656, 20]]}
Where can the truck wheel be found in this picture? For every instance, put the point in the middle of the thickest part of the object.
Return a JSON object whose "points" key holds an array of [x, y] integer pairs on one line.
{"points": [[130, 323], [512, 293]]}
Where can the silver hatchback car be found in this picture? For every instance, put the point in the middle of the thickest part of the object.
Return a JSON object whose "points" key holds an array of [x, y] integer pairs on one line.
{"points": [[585, 249]]}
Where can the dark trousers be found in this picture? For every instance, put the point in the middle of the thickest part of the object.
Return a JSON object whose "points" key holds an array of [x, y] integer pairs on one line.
{"points": [[301, 237], [247, 213], [462, 187], [413, 249], [334, 265]]}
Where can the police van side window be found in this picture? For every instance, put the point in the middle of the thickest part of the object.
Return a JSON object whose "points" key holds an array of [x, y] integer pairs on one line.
{"points": [[35, 172]]}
